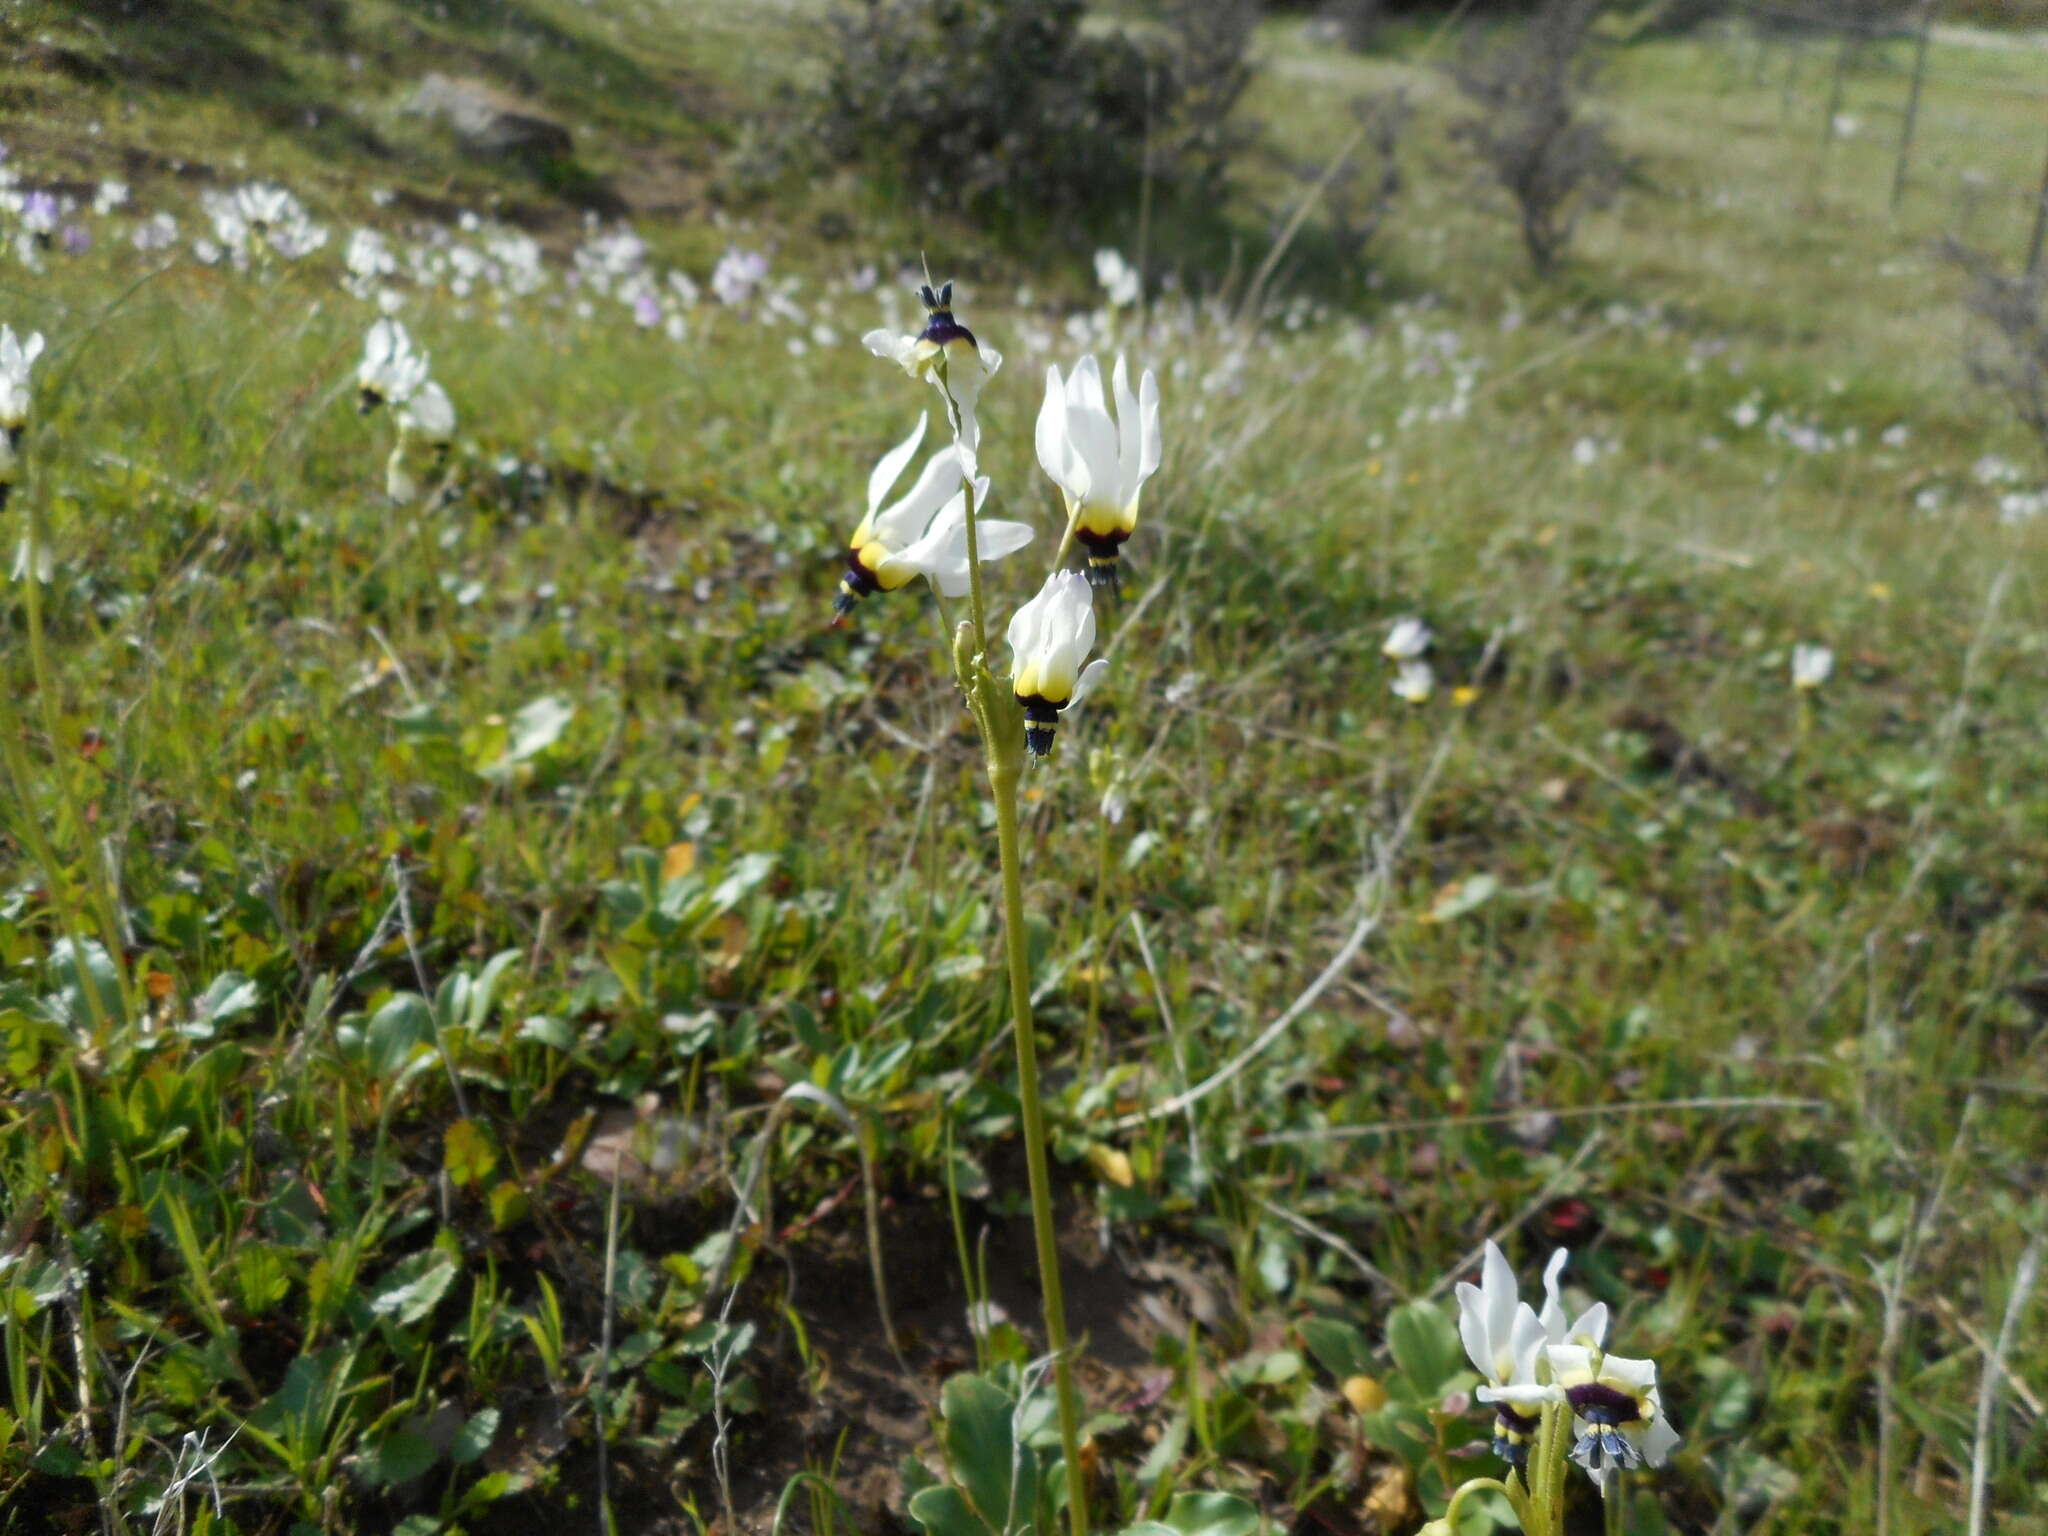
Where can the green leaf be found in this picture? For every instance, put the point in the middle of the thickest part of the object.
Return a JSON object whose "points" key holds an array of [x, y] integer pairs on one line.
{"points": [[745, 874], [946, 1512], [399, 1457], [1424, 1343], [475, 1437], [396, 1032], [509, 1204], [535, 728], [1212, 1514], [414, 1287], [983, 1455], [1338, 1347], [229, 997], [467, 1153]]}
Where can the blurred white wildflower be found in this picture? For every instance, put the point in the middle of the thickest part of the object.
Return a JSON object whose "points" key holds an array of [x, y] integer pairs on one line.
{"points": [[428, 415], [17, 357], [1811, 666], [158, 232], [392, 368], [1407, 640], [1414, 682], [1120, 280], [738, 273], [2021, 506]]}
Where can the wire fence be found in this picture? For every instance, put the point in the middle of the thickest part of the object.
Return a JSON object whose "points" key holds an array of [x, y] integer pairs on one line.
{"points": [[1839, 66]]}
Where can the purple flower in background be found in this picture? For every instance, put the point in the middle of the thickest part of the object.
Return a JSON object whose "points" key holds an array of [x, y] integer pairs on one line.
{"points": [[737, 275], [647, 311], [77, 240], [39, 212]]}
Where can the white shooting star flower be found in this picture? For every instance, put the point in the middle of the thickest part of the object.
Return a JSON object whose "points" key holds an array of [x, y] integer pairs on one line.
{"points": [[1050, 637], [392, 369], [1812, 665], [1588, 1328], [1100, 462], [1408, 639], [1121, 283], [17, 357], [1619, 1414], [925, 533], [945, 354], [1414, 682], [429, 415], [1503, 1338]]}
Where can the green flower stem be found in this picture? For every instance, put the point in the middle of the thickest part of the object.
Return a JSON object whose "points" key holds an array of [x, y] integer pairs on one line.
{"points": [[1552, 1444], [98, 887], [1001, 720], [1092, 1039], [1483, 1485], [1059, 561], [1004, 769]]}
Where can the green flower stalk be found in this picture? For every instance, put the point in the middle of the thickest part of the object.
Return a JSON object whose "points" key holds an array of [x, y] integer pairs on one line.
{"points": [[1051, 637]]}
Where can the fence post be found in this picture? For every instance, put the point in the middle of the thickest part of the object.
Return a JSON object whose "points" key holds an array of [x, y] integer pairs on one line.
{"points": [[2040, 224], [1912, 103], [1827, 127]]}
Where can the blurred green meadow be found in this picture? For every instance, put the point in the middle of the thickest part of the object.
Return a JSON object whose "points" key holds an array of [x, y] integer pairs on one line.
{"points": [[483, 873]]}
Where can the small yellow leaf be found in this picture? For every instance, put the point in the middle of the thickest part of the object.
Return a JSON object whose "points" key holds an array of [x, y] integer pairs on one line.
{"points": [[467, 1153], [1365, 1394], [677, 860], [1391, 1503], [1113, 1165]]}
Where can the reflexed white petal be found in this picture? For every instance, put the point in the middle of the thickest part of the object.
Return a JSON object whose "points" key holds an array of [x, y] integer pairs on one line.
{"points": [[1084, 386], [891, 464], [1150, 443], [903, 522], [1571, 1365], [1055, 454], [941, 547], [1023, 631], [1497, 1285], [997, 538], [1090, 431], [1090, 679], [430, 413], [991, 360], [889, 345], [1631, 1375], [1525, 1342], [1472, 1328], [1519, 1393], [1590, 1325], [1137, 425], [1128, 436], [1553, 1306], [1659, 1440]]}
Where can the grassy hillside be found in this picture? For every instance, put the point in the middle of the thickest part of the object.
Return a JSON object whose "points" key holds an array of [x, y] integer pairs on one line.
{"points": [[391, 887]]}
